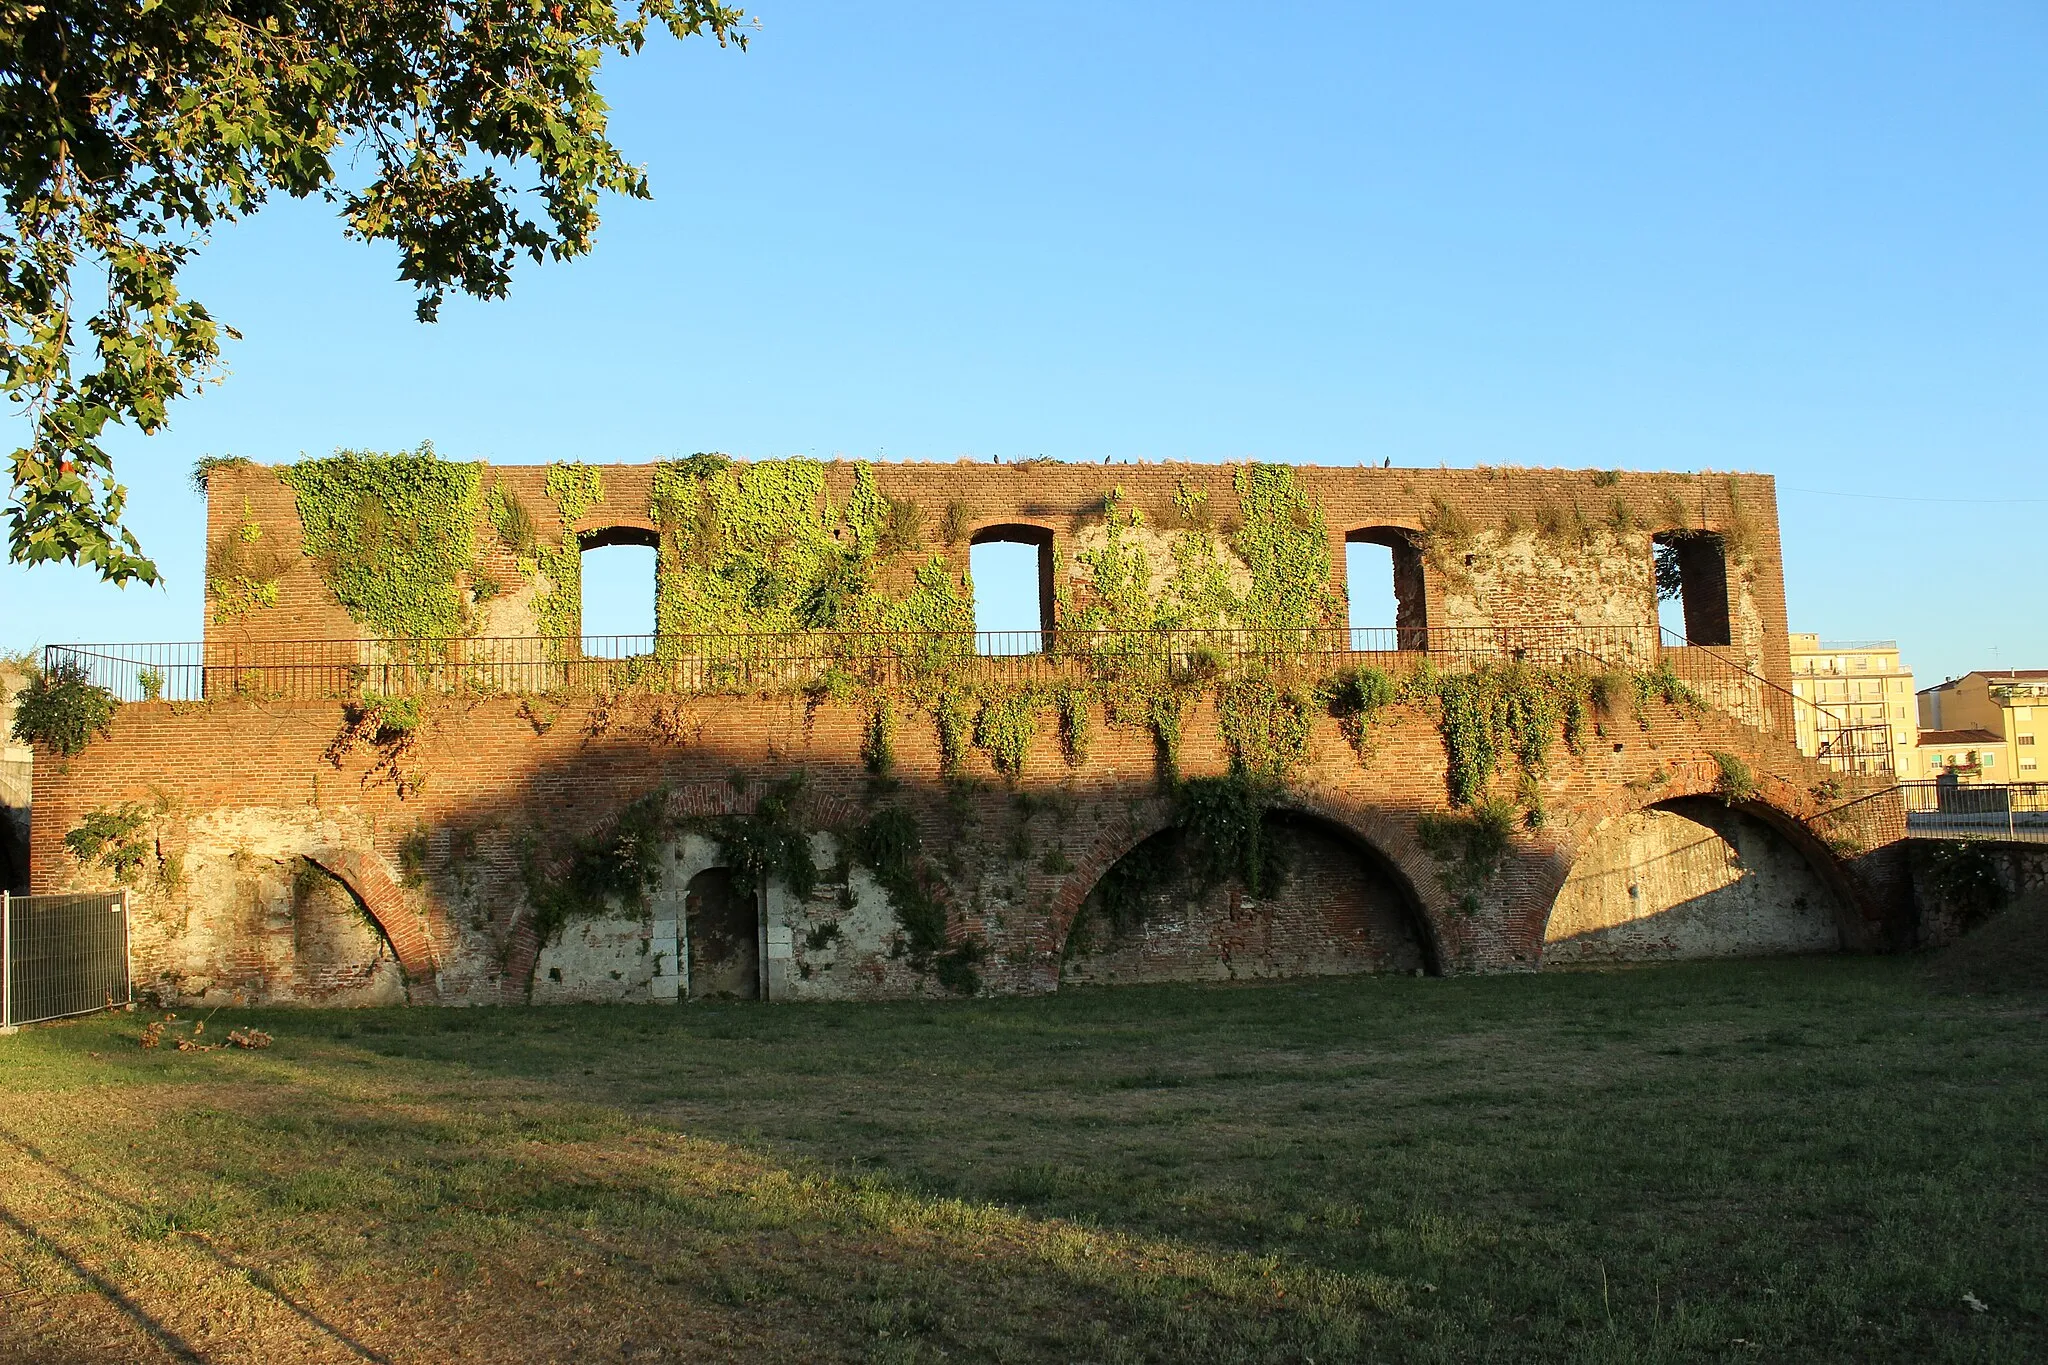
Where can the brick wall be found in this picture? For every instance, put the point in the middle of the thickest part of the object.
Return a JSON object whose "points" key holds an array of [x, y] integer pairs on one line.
{"points": [[1503, 571], [243, 799], [242, 788]]}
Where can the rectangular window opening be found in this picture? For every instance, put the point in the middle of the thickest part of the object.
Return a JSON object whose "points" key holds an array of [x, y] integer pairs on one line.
{"points": [[618, 600], [1384, 586], [1012, 580], [1692, 586]]}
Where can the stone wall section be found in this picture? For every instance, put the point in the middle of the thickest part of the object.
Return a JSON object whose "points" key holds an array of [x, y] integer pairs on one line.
{"points": [[1332, 913]]}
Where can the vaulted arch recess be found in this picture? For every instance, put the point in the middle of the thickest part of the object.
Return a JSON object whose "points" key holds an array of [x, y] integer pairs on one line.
{"points": [[1327, 905]]}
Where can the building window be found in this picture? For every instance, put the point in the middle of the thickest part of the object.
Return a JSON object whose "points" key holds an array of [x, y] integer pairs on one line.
{"points": [[1011, 569], [2026, 739], [1990, 760], [1383, 580], [618, 566], [1692, 570]]}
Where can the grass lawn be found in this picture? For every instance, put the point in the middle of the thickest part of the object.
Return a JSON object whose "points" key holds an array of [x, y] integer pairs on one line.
{"points": [[1769, 1161]]}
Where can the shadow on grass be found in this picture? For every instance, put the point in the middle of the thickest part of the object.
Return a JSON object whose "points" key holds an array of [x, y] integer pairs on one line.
{"points": [[1806, 1159]]}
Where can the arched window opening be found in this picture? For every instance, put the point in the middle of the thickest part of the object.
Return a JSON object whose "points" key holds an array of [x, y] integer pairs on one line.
{"points": [[618, 568], [1692, 586], [1383, 579], [1011, 569]]}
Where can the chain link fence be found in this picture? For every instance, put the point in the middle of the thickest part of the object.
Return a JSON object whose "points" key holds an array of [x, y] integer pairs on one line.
{"points": [[62, 955]]}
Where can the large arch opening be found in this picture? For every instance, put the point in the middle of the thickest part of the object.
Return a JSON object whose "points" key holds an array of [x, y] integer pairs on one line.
{"points": [[617, 568], [1383, 580], [1010, 566], [1691, 878], [1328, 904]]}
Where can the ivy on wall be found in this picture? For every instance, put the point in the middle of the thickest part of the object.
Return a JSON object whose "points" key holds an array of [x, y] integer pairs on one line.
{"points": [[241, 574], [394, 537], [1285, 542], [760, 548], [558, 607]]}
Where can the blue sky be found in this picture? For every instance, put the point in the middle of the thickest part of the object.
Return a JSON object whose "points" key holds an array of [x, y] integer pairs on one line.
{"points": [[1810, 240]]}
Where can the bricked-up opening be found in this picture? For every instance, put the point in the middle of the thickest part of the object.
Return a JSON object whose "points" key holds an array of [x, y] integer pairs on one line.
{"points": [[619, 565], [1011, 567], [1337, 907], [723, 925], [1692, 573], [340, 954], [1383, 576]]}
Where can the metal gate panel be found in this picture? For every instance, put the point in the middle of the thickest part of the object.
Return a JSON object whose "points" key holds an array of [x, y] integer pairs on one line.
{"points": [[62, 955]]}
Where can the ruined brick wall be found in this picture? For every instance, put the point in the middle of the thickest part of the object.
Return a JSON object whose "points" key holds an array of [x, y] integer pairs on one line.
{"points": [[2021, 869], [1496, 546], [247, 809], [242, 792]]}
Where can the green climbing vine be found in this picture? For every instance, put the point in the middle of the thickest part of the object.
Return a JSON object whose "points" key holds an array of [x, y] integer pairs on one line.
{"points": [[558, 608], [393, 536], [888, 844], [390, 727], [1264, 729], [1285, 543], [241, 574]]}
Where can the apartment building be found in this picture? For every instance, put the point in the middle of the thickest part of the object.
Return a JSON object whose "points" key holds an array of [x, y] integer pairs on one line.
{"points": [[1965, 755], [1863, 712], [2004, 703]]}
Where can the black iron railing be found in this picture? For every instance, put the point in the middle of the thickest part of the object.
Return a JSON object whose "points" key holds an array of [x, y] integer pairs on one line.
{"points": [[2012, 811], [1723, 678]]}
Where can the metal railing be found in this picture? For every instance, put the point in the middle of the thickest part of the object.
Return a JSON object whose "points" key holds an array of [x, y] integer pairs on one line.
{"points": [[2011, 811], [62, 955], [1721, 677], [319, 669]]}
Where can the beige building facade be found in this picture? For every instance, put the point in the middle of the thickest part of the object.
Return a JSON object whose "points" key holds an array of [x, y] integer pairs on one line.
{"points": [[1862, 717], [1969, 756], [2009, 705]]}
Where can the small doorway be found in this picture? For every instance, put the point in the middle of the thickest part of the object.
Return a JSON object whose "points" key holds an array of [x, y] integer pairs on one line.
{"points": [[723, 926]]}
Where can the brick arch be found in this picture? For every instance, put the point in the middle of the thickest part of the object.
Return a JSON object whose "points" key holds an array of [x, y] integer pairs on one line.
{"points": [[364, 876], [1780, 804], [689, 800], [1383, 837], [618, 531]]}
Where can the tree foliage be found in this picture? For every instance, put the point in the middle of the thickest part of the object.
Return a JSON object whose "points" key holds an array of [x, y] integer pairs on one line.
{"points": [[130, 128]]}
